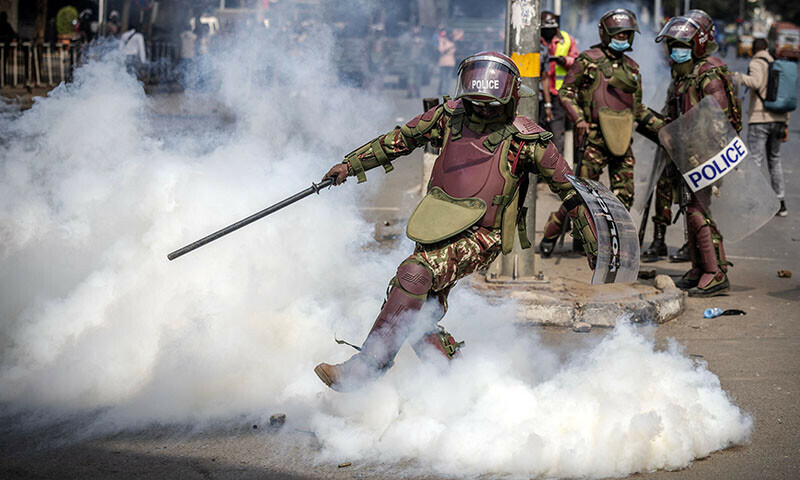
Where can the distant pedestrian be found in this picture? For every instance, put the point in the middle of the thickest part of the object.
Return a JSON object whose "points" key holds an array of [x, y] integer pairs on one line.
{"points": [[111, 27], [766, 130], [7, 36], [447, 62], [132, 45]]}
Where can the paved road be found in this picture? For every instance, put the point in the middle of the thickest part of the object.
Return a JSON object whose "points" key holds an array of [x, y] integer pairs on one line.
{"points": [[755, 357]]}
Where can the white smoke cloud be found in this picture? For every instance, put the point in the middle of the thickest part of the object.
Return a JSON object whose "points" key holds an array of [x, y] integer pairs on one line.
{"points": [[94, 191]]}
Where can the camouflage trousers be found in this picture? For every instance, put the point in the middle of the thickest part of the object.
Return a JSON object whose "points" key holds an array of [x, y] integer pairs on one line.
{"points": [[666, 188], [453, 259], [620, 169]]}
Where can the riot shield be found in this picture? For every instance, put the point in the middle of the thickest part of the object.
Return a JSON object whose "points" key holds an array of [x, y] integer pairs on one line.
{"points": [[650, 159], [714, 163], [617, 241], [646, 175]]}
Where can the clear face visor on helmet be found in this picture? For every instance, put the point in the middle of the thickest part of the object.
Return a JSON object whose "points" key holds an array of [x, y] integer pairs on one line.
{"points": [[485, 81], [619, 21], [679, 28]]}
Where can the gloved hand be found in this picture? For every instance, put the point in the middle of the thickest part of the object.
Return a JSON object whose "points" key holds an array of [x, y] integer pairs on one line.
{"points": [[583, 227], [581, 129], [338, 173]]}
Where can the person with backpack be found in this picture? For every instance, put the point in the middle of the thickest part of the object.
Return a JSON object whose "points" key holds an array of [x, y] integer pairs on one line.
{"points": [[768, 126]]}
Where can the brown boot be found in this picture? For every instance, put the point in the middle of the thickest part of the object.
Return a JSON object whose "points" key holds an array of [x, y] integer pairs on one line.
{"points": [[393, 325], [711, 284], [350, 375], [690, 278], [713, 281], [437, 344]]}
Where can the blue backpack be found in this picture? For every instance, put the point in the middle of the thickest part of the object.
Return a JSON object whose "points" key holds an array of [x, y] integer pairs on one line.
{"points": [[781, 86]]}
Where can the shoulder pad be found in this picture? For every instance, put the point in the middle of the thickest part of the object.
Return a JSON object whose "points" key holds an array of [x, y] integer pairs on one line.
{"points": [[451, 105], [526, 126], [631, 62], [425, 117], [593, 54], [710, 63]]}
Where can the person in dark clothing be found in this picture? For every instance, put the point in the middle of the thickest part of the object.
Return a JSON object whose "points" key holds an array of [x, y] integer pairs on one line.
{"points": [[7, 35]]}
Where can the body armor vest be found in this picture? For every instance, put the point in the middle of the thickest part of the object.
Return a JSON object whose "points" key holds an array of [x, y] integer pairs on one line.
{"points": [[687, 91], [613, 86], [467, 169], [612, 99], [471, 179]]}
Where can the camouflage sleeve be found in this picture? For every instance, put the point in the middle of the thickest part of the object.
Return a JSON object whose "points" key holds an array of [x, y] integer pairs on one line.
{"points": [[540, 157], [648, 121], [569, 91], [714, 83], [428, 127]]}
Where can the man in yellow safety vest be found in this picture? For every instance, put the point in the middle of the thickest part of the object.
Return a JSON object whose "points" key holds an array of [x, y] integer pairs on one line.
{"points": [[563, 50]]}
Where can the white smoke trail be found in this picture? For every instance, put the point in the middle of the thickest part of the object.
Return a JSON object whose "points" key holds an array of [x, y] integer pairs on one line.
{"points": [[94, 193]]}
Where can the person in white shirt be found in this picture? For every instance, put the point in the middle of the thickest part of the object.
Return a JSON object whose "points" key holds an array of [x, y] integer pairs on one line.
{"points": [[132, 44]]}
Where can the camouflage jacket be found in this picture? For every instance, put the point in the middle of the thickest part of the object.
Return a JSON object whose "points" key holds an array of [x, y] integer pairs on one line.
{"points": [[577, 94], [709, 76]]}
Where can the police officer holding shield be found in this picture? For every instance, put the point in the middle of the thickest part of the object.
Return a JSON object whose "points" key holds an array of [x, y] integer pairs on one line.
{"points": [[697, 75]]}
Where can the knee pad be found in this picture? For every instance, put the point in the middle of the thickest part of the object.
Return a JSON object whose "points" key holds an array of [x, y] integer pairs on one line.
{"points": [[414, 278]]}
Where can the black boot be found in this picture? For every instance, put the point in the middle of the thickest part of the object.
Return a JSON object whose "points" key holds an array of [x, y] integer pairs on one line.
{"points": [[682, 255], [658, 248], [577, 246]]}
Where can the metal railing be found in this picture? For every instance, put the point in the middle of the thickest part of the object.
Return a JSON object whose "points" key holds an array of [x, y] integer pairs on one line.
{"points": [[25, 64]]}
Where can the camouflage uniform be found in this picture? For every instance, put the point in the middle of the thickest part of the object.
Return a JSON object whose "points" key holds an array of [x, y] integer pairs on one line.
{"points": [[710, 76], [601, 80], [475, 249], [577, 96], [696, 76], [472, 212]]}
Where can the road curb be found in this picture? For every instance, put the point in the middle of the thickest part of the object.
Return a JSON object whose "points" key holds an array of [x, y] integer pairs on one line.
{"points": [[568, 303]]}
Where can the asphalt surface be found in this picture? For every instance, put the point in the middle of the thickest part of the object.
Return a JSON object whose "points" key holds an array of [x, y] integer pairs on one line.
{"points": [[755, 357]]}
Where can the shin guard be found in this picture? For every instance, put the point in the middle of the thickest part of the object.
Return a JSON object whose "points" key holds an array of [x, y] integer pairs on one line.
{"points": [[394, 323]]}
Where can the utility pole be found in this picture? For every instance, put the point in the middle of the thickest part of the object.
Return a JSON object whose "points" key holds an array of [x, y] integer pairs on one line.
{"points": [[522, 45]]}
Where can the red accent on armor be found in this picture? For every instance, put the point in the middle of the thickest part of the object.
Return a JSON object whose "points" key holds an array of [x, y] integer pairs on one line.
{"points": [[414, 121], [526, 126], [516, 158], [453, 104], [631, 61], [553, 159], [414, 278], [594, 53], [702, 233], [711, 62], [432, 340], [552, 229], [607, 96], [466, 168], [427, 116]]}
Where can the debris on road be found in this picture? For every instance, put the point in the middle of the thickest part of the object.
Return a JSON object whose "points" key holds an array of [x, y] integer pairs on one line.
{"points": [[277, 420], [581, 327], [647, 274], [784, 274], [345, 464]]}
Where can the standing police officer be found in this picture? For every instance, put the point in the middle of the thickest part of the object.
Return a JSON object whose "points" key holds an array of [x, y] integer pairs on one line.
{"points": [[602, 95], [696, 74], [472, 211]]}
